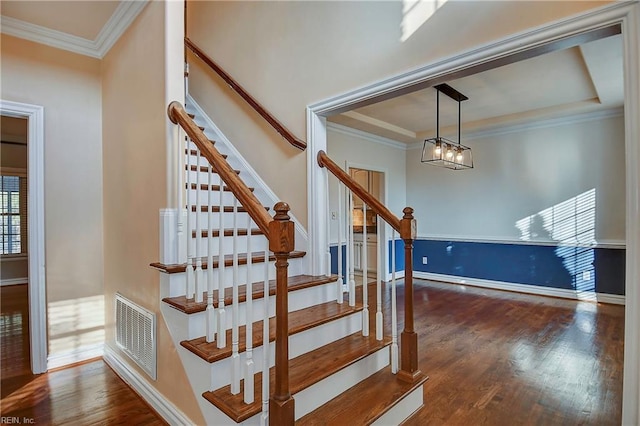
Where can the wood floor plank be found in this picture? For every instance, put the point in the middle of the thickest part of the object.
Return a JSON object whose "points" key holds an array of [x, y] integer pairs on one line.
{"points": [[84, 394], [492, 357]]}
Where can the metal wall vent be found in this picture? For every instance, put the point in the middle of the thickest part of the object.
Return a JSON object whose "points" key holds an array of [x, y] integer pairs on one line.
{"points": [[136, 333]]}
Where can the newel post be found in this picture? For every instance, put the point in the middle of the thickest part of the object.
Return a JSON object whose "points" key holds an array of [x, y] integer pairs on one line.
{"points": [[408, 339], [281, 243]]}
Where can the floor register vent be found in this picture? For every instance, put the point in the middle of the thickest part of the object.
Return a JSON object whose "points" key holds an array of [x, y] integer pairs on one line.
{"points": [[136, 334]]}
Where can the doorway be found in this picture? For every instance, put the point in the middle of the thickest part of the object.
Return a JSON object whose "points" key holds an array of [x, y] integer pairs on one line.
{"points": [[365, 222], [14, 296], [625, 15], [34, 116]]}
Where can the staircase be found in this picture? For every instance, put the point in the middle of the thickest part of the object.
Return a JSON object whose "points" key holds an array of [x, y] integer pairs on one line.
{"points": [[226, 305]]}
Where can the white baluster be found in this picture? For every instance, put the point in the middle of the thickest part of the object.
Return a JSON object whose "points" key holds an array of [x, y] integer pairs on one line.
{"points": [[222, 319], [394, 313], [199, 277], [365, 278], [249, 367], [183, 193], [210, 313], [350, 248], [191, 288], [264, 418], [235, 316], [328, 254], [379, 318], [340, 282]]}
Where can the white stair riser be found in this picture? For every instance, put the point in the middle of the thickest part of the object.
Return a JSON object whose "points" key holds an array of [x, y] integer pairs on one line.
{"points": [[210, 198], [195, 324], [299, 343], [226, 220], [403, 409], [314, 396], [258, 243], [176, 283]]}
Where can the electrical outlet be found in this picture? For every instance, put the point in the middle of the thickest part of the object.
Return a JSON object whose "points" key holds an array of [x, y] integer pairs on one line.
{"points": [[586, 275], [334, 215], [424, 260]]}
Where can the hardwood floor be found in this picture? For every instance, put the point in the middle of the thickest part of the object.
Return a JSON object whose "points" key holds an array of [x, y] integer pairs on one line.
{"points": [[492, 357], [500, 358], [84, 394]]}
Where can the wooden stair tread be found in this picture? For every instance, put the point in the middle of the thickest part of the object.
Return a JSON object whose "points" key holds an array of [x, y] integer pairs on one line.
{"points": [[304, 371], [205, 187], [298, 282], [203, 169], [194, 152], [227, 233], [216, 209], [365, 402], [257, 257], [299, 321]]}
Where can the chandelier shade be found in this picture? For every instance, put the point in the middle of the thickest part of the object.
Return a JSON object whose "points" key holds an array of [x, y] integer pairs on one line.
{"points": [[444, 152]]}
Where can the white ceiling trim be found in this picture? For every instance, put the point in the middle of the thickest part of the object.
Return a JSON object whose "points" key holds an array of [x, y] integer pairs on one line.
{"points": [[36, 33], [379, 123], [540, 124], [350, 131], [122, 17]]}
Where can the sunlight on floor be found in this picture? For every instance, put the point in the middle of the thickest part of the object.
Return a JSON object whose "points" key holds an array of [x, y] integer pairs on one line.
{"points": [[75, 323]]}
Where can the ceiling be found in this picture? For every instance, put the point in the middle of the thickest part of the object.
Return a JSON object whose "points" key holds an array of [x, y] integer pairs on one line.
{"points": [[566, 82], [79, 18], [584, 78], [89, 28]]}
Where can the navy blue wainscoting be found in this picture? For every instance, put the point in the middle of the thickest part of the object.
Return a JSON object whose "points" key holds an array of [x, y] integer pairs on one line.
{"points": [[333, 250], [599, 270], [399, 254]]}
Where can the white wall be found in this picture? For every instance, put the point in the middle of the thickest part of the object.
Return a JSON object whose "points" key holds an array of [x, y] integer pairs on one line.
{"points": [[68, 86], [363, 152], [134, 90], [289, 55], [519, 174]]}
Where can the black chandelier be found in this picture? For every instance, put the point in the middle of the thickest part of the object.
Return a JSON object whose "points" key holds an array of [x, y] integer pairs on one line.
{"points": [[441, 151]]}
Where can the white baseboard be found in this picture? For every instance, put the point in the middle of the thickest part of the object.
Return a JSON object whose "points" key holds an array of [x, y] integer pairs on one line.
{"points": [[165, 409], [76, 355], [14, 281], [524, 288], [399, 275]]}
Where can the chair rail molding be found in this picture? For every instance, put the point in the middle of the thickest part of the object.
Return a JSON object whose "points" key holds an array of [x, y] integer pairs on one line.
{"points": [[627, 15]]}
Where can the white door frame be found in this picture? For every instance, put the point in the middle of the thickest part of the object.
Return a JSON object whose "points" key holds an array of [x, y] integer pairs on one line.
{"points": [[625, 13], [35, 181], [384, 235]]}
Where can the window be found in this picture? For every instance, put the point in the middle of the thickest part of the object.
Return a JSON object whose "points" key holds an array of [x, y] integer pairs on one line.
{"points": [[13, 214]]}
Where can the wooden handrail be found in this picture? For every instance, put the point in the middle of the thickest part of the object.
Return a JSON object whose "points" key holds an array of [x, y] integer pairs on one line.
{"points": [[280, 231], [406, 227], [371, 201], [279, 127], [256, 210]]}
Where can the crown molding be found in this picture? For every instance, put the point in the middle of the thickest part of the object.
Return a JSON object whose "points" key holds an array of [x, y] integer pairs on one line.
{"points": [[539, 124], [349, 131], [38, 34], [122, 17]]}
